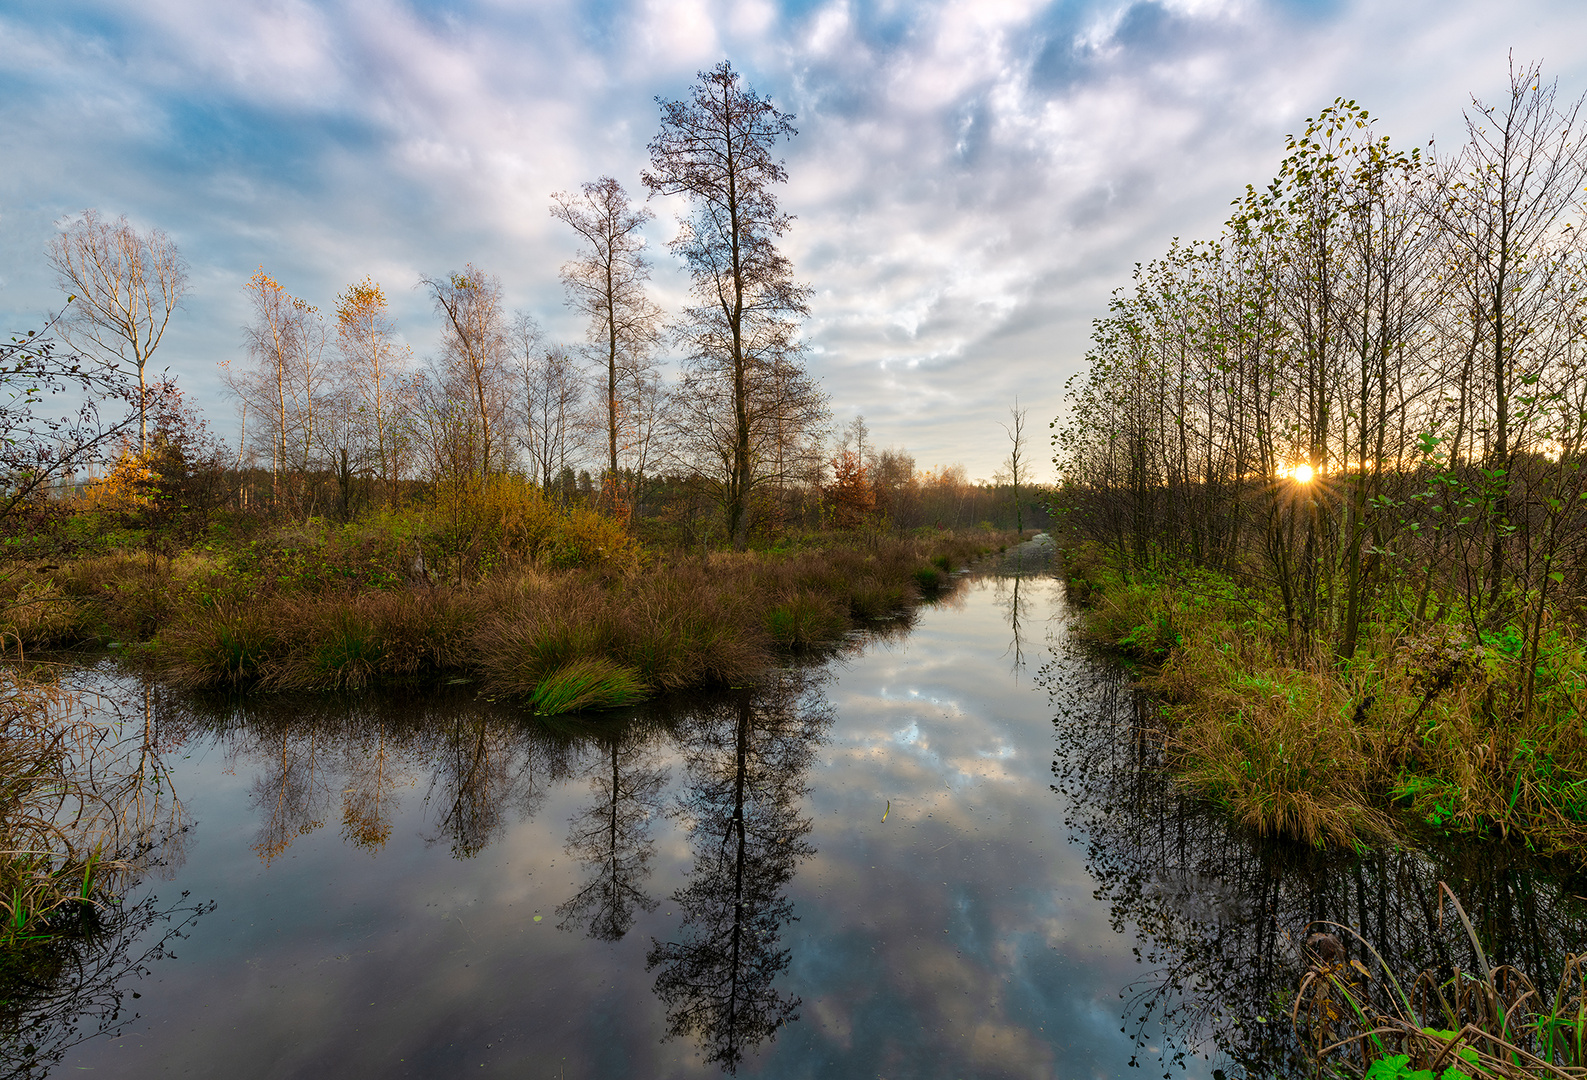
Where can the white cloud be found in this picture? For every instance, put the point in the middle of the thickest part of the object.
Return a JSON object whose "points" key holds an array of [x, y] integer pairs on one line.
{"points": [[970, 179]]}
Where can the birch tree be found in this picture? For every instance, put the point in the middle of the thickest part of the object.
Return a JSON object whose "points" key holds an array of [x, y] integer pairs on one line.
{"points": [[125, 287], [606, 282], [474, 363], [289, 378], [375, 365]]}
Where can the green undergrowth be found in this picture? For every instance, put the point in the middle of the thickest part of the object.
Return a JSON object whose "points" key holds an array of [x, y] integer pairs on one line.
{"points": [[1424, 727]]}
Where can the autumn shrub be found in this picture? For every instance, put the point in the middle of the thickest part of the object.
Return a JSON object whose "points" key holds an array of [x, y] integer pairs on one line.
{"points": [[477, 525]]}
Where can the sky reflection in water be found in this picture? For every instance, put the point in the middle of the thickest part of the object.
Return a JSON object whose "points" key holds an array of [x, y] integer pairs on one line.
{"points": [[427, 887]]}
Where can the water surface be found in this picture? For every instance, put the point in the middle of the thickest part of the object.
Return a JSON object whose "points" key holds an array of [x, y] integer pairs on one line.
{"points": [[947, 852]]}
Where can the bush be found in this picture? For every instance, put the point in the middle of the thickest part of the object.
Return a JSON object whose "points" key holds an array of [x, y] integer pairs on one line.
{"points": [[478, 525]]}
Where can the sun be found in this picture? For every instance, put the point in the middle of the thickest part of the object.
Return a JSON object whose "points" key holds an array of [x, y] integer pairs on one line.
{"points": [[1302, 474]]}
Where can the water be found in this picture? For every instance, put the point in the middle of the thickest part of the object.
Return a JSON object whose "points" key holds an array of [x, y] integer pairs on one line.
{"points": [[947, 852]]}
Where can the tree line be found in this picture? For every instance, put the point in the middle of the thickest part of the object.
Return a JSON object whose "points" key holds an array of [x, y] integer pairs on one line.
{"points": [[1368, 393], [337, 414]]}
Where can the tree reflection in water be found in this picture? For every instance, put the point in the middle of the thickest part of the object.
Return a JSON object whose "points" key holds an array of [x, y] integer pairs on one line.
{"points": [[1219, 911], [72, 987], [612, 835], [485, 767], [488, 771], [747, 756]]}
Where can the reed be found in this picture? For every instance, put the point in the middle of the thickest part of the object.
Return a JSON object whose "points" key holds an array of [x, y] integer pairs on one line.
{"points": [[1366, 1020]]}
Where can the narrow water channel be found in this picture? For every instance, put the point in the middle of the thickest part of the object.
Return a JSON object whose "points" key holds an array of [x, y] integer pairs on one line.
{"points": [[947, 852]]}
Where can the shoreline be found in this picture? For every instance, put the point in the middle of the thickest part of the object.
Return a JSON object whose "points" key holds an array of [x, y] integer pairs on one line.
{"points": [[560, 641], [1416, 733]]}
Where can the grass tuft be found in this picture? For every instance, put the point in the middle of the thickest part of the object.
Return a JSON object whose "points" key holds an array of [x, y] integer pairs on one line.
{"points": [[585, 684], [805, 620]]}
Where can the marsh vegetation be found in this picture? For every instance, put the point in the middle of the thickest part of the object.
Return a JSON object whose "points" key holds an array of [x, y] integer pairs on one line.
{"points": [[1324, 475]]}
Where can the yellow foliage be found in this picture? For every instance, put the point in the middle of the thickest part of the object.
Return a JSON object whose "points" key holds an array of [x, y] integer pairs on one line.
{"points": [[127, 487], [506, 519]]}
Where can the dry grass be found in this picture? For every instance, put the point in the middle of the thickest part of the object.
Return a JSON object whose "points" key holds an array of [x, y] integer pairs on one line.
{"points": [[1493, 1021], [688, 622], [1423, 726], [69, 833]]}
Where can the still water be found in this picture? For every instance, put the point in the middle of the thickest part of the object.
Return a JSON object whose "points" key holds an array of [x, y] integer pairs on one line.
{"points": [[946, 852]]}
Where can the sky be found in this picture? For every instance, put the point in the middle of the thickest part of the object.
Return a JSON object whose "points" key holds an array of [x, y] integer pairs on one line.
{"points": [[970, 180]]}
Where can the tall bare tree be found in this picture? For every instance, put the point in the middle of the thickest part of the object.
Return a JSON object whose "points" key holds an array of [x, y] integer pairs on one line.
{"points": [[606, 281], [745, 387], [126, 286], [1018, 461], [474, 353], [1501, 202]]}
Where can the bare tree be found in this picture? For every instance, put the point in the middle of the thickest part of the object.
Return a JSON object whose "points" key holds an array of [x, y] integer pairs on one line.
{"points": [[126, 285], [474, 353], [606, 281], [1501, 203], [289, 380], [745, 388], [552, 401], [1017, 464], [376, 364], [38, 448]]}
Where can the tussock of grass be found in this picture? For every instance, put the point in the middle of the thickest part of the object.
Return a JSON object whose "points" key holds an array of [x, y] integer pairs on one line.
{"points": [[877, 598], [805, 619], [36, 614], [585, 684]]}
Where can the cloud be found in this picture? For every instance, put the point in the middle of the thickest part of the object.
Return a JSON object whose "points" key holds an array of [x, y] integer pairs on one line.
{"points": [[970, 179]]}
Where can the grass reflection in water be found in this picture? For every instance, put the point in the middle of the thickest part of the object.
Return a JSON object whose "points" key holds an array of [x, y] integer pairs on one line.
{"points": [[1220, 913]]}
